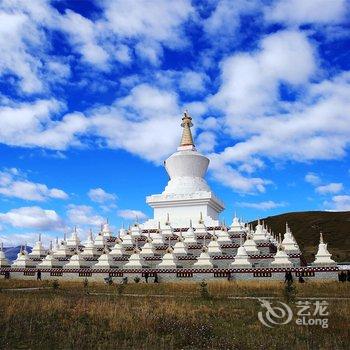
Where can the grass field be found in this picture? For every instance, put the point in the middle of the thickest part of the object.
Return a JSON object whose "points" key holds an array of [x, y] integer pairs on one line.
{"points": [[162, 316]]}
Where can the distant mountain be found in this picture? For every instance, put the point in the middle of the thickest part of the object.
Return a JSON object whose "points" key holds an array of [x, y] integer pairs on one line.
{"points": [[11, 252], [306, 227]]}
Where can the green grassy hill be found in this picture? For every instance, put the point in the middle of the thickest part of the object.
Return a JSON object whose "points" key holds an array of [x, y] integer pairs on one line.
{"points": [[306, 227]]}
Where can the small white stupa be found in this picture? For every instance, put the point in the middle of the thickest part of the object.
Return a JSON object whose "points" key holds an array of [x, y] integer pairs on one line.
{"points": [[106, 230], [242, 257], [100, 240], [289, 243], [223, 236], [180, 248], [127, 240], [63, 251], [3, 260], [117, 251], [105, 261], [38, 250], [236, 226], [201, 228], [74, 240], [168, 259], [76, 261], [135, 230], [23, 260], [157, 237], [259, 234], [323, 256], [50, 261], [281, 258], [214, 246], [90, 249], [204, 260], [135, 260], [250, 245], [189, 236], [122, 232], [148, 248], [55, 246], [167, 230]]}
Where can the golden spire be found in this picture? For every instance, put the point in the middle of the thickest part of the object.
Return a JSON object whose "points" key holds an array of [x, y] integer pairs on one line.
{"points": [[186, 139]]}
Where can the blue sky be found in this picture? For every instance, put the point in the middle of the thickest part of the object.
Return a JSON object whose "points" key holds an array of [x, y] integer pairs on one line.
{"points": [[91, 96]]}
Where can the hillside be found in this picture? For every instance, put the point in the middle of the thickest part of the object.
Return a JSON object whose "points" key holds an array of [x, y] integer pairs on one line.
{"points": [[306, 227]]}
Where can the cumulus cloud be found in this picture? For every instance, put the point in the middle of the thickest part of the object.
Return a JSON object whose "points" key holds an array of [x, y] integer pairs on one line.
{"points": [[99, 195], [33, 217], [83, 215], [333, 187], [250, 81], [145, 123], [230, 177], [26, 30], [32, 124], [224, 21], [314, 127], [338, 203], [266, 205], [313, 179], [12, 184], [131, 214], [296, 12]]}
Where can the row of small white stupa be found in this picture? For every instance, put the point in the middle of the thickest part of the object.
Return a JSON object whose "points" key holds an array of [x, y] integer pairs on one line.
{"points": [[70, 253]]}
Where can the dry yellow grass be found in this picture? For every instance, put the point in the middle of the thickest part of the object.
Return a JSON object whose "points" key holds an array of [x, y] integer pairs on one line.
{"points": [[69, 318]]}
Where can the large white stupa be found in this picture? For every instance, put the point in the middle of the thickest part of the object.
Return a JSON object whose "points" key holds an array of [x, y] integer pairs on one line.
{"points": [[187, 195]]}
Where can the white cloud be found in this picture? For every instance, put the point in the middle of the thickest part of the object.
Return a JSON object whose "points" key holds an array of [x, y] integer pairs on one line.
{"points": [[134, 19], [333, 187], [32, 124], [12, 184], [224, 22], [206, 141], [338, 203], [295, 12], [192, 82], [250, 81], [124, 25], [121, 30], [146, 123], [82, 34], [99, 195], [130, 214], [317, 126], [266, 205], [32, 217], [83, 215], [230, 177], [25, 45], [313, 179]]}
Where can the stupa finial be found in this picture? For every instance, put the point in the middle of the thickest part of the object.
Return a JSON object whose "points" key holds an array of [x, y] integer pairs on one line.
{"points": [[200, 218], [186, 139], [321, 238]]}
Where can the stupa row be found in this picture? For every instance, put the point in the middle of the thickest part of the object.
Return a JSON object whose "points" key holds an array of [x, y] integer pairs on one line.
{"points": [[183, 239]]}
